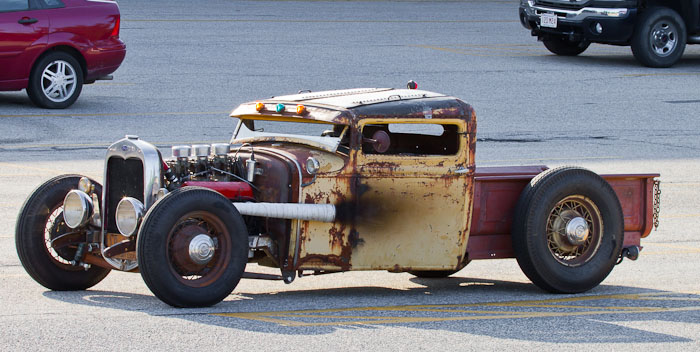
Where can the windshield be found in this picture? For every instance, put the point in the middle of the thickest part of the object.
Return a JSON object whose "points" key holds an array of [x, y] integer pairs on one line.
{"points": [[321, 135]]}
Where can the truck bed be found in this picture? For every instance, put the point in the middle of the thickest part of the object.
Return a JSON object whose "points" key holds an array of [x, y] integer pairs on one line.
{"points": [[497, 190]]}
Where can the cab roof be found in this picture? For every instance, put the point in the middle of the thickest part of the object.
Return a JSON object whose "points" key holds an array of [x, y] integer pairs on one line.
{"points": [[346, 106]]}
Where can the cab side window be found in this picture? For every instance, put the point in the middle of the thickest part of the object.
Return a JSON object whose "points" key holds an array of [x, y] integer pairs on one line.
{"points": [[14, 5], [410, 139]]}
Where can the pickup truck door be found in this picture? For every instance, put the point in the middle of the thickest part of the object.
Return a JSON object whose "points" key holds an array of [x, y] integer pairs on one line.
{"points": [[415, 195]]}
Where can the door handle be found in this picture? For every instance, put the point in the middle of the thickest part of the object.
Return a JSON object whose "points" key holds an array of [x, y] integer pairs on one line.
{"points": [[27, 20]]}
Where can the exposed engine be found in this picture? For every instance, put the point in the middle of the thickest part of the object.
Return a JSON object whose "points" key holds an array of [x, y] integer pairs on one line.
{"points": [[203, 162]]}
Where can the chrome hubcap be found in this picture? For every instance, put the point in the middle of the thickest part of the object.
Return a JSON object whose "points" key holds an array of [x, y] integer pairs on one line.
{"points": [[577, 231], [58, 81], [663, 38], [202, 249]]}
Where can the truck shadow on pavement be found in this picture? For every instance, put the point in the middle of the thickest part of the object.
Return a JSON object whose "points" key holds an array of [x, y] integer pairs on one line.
{"points": [[499, 309]]}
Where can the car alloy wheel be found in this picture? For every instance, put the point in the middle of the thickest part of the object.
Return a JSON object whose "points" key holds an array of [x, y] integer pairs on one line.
{"points": [[58, 81]]}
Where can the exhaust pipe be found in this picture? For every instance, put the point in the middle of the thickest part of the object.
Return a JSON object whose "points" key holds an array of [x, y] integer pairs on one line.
{"points": [[312, 212], [631, 253]]}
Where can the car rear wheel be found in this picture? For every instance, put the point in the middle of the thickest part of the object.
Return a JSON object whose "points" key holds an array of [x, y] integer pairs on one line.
{"points": [[192, 248], [659, 38], [55, 81], [568, 230], [565, 47]]}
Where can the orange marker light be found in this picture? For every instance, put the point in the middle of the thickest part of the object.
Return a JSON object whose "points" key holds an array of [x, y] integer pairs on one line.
{"points": [[301, 109], [259, 106]]}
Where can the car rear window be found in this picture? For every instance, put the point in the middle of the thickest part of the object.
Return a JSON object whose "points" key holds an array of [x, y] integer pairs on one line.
{"points": [[14, 5]]}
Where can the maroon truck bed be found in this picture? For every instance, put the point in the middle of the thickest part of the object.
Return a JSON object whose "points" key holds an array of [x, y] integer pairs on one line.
{"points": [[497, 190]]}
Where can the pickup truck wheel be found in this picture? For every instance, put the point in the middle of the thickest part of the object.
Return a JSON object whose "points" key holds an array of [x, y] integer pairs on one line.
{"points": [[659, 38], [56, 81], [192, 248], [568, 230], [565, 47], [39, 222]]}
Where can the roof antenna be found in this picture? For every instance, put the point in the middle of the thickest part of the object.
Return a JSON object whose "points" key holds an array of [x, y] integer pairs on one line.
{"points": [[412, 85]]}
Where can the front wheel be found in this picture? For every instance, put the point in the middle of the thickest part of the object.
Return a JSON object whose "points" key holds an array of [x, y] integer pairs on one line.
{"points": [[565, 47], [568, 230], [55, 81], [39, 222], [192, 248], [659, 38]]}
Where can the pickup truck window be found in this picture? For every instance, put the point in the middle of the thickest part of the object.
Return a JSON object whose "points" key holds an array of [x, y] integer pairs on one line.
{"points": [[410, 139]]}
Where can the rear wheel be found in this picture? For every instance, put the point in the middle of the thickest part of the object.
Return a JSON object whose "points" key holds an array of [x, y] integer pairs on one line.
{"points": [[565, 47], [55, 81], [39, 222], [192, 248], [568, 230], [659, 38]]}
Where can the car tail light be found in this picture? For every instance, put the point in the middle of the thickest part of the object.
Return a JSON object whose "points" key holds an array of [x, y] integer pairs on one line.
{"points": [[115, 31]]}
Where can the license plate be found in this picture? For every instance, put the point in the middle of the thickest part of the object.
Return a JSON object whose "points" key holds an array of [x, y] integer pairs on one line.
{"points": [[548, 20]]}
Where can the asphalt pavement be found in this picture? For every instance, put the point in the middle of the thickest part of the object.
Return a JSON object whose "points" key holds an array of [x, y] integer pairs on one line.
{"points": [[189, 63]]}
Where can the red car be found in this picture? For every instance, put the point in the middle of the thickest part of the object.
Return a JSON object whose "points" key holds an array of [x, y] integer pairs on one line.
{"points": [[52, 47]]}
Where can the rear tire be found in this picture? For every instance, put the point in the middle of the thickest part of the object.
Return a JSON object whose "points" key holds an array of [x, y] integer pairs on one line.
{"points": [[553, 251], [192, 248], [565, 47], [659, 38], [55, 81], [41, 220]]}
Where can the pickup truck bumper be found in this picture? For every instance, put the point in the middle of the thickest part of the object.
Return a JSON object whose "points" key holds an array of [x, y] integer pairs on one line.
{"points": [[592, 24]]}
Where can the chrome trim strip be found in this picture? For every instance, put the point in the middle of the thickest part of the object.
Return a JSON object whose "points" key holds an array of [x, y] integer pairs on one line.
{"points": [[596, 11], [126, 148]]}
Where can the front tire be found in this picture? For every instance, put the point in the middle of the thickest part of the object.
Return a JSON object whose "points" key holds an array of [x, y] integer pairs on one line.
{"points": [[565, 47], [659, 38], [192, 248], [55, 81], [568, 230], [40, 221]]}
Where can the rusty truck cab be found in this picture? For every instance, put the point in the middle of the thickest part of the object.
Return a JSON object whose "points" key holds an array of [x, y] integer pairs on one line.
{"points": [[400, 173]]}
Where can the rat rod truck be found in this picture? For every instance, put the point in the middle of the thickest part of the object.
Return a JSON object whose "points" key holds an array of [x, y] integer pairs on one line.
{"points": [[374, 179]]}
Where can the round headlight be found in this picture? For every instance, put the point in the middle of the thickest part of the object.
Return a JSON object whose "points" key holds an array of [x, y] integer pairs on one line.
{"points": [[312, 165], [77, 208], [128, 215], [85, 185]]}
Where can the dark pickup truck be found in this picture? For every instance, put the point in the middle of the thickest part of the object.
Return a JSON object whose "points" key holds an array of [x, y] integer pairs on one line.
{"points": [[657, 30]]}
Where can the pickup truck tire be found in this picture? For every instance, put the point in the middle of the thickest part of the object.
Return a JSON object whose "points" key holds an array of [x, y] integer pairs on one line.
{"points": [[192, 247], [568, 230], [659, 37], [40, 221], [565, 47]]}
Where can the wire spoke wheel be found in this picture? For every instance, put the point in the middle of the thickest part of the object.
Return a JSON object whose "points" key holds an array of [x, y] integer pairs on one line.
{"points": [[41, 222], [574, 246], [568, 230]]}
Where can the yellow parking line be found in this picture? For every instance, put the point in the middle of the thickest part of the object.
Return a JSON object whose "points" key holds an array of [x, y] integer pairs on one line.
{"points": [[235, 20], [450, 50], [662, 74], [276, 316], [675, 246], [680, 216], [20, 166], [121, 114]]}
